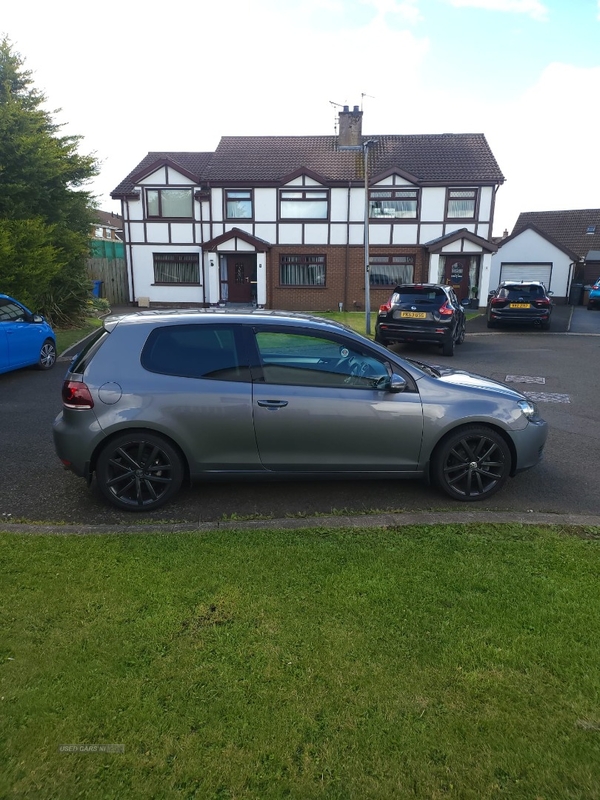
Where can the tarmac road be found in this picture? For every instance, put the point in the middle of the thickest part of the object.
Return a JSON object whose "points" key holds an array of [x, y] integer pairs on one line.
{"points": [[35, 489]]}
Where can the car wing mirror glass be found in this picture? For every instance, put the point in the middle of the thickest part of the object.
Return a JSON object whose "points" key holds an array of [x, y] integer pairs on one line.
{"points": [[37, 318], [397, 383]]}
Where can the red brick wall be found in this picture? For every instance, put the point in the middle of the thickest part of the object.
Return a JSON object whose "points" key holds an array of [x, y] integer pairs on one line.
{"points": [[341, 262]]}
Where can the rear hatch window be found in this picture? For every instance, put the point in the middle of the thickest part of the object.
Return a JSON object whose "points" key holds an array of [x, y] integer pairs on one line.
{"points": [[523, 293], [426, 296], [85, 355]]}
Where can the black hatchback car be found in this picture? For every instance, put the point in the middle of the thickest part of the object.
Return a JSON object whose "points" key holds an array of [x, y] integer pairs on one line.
{"points": [[422, 312], [525, 302]]}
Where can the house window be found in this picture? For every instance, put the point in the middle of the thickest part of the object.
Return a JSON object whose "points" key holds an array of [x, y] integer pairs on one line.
{"points": [[591, 229], [169, 203], [303, 204], [391, 270], [461, 203], [176, 268], [302, 270], [238, 205], [393, 204]]}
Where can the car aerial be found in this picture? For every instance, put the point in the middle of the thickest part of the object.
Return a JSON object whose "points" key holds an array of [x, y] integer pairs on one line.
{"points": [[26, 339], [422, 312], [520, 302], [159, 397], [594, 296]]}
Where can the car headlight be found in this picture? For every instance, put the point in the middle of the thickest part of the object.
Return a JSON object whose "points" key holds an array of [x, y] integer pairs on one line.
{"points": [[528, 408]]}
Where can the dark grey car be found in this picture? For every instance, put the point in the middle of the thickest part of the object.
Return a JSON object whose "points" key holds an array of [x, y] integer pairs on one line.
{"points": [[157, 398]]}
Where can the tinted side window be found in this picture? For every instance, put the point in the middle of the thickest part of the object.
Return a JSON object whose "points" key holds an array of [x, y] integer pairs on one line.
{"points": [[295, 359], [196, 351]]}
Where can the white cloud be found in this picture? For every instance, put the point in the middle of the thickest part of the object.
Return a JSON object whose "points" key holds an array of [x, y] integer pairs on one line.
{"points": [[532, 8], [546, 151], [406, 10]]}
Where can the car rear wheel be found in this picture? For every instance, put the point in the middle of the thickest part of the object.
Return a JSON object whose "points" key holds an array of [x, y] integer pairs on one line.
{"points": [[378, 338], [448, 347], [461, 335], [139, 471], [47, 357], [491, 323], [471, 464]]}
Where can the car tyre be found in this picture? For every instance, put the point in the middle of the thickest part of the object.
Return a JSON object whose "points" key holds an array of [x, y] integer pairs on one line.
{"points": [[461, 334], [378, 339], [448, 347], [491, 323], [139, 471], [47, 357], [472, 463], [545, 326]]}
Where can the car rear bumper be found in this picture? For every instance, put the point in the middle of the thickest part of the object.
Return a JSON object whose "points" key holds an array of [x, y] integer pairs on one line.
{"points": [[524, 318], [407, 332]]}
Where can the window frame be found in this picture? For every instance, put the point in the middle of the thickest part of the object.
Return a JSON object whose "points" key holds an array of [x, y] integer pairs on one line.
{"points": [[227, 192], [395, 190], [184, 256], [473, 190], [160, 190], [303, 261], [306, 198], [390, 263]]}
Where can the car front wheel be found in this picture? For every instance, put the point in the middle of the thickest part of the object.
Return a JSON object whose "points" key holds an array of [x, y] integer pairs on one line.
{"points": [[471, 464], [47, 357], [139, 471]]}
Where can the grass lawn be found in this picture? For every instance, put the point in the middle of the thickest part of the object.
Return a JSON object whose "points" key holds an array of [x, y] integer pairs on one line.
{"points": [[70, 336], [419, 662]]}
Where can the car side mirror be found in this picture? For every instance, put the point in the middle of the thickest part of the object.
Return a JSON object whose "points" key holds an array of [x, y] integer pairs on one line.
{"points": [[397, 383], [37, 318]]}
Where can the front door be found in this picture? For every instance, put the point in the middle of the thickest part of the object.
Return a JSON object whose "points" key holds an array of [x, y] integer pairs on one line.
{"points": [[456, 274], [241, 278]]}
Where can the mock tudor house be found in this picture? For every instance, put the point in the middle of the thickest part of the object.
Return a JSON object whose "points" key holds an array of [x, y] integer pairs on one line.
{"points": [[555, 247], [280, 221]]}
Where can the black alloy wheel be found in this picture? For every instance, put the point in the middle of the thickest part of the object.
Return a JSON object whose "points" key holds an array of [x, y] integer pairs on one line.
{"points": [[471, 464], [47, 357], [461, 334], [139, 471]]}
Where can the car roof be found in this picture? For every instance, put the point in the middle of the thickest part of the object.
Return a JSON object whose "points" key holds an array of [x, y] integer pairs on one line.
{"points": [[181, 316]]}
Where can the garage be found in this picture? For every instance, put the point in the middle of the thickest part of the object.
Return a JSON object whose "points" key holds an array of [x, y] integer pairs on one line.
{"points": [[526, 272]]}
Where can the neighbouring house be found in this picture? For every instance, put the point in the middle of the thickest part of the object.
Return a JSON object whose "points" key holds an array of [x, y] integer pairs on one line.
{"points": [[280, 221], [559, 248]]}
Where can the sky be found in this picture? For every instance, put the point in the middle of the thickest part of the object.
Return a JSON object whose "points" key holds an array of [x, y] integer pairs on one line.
{"points": [[139, 76]]}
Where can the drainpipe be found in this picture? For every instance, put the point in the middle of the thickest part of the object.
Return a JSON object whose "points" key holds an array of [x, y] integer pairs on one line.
{"points": [[346, 264], [125, 204]]}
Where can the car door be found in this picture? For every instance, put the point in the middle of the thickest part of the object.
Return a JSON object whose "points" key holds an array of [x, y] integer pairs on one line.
{"points": [[23, 338], [3, 348], [317, 406]]}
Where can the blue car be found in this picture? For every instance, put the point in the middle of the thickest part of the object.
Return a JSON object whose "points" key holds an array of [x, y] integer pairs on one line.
{"points": [[26, 339], [594, 298]]}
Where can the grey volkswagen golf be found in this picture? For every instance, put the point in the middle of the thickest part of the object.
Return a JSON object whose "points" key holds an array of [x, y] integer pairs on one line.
{"points": [[161, 397]]}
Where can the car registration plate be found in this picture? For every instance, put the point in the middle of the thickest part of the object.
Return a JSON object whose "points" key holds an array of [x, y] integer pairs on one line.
{"points": [[413, 314], [519, 305]]}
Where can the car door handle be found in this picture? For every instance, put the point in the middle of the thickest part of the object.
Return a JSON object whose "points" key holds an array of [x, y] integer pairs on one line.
{"points": [[274, 404]]}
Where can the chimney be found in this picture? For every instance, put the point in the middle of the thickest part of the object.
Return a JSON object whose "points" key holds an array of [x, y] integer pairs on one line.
{"points": [[350, 134]]}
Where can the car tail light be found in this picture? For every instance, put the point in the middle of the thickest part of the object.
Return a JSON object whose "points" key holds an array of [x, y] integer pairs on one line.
{"points": [[76, 395], [545, 303], [497, 301], [386, 307], [446, 310]]}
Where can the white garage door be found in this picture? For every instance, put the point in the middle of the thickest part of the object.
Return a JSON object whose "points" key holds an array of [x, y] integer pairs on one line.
{"points": [[526, 272]]}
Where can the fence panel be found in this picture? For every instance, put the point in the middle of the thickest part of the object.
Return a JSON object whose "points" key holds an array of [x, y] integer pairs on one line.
{"points": [[113, 274]]}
